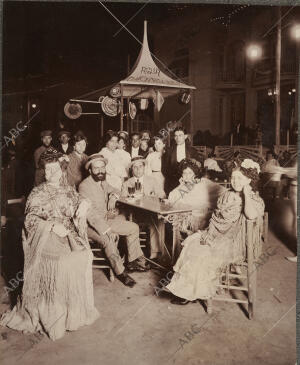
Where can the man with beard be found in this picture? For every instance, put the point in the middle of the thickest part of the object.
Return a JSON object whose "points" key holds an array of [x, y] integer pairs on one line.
{"points": [[105, 223]]}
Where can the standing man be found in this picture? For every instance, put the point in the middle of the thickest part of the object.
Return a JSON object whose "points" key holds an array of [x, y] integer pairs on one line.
{"points": [[176, 153], [145, 185], [64, 146], [134, 149], [46, 138], [77, 160], [104, 221]]}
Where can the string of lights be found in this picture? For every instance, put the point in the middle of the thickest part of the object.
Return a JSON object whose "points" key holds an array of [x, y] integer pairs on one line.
{"points": [[226, 20]]}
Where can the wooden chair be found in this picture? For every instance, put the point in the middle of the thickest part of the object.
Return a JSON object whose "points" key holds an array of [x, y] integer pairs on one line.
{"points": [[102, 261], [247, 281]]}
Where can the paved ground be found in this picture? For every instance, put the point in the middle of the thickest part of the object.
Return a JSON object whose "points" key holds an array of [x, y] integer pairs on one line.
{"points": [[137, 327]]}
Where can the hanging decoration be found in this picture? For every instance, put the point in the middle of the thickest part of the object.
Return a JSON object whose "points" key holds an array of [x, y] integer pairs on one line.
{"points": [[115, 92], [185, 98], [158, 100], [144, 104], [73, 110], [110, 106], [132, 110]]}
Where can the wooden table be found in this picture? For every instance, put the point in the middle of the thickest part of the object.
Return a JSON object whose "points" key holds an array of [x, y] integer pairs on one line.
{"points": [[165, 213]]}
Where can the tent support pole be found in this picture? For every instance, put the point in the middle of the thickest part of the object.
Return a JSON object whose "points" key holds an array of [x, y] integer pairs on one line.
{"points": [[122, 106], [127, 117]]}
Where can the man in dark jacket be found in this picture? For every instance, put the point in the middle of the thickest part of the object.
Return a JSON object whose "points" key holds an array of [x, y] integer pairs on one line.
{"points": [[177, 152], [64, 146]]}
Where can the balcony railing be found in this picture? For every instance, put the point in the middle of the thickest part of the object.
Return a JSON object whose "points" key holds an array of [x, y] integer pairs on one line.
{"points": [[230, 76]]}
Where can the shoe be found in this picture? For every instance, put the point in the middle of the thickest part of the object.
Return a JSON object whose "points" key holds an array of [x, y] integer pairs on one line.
{"points": [[179, 301], [126, 279], [292, 259], [138, 265]]}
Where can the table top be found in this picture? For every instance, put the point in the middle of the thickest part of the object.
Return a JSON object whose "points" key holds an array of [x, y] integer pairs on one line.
{"points": [[153, 204]]}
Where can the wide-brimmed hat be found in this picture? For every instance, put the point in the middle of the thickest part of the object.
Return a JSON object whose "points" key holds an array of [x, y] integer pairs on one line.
{"points": [[93, 158], [45, 133], [137, 159], [60, 133]]}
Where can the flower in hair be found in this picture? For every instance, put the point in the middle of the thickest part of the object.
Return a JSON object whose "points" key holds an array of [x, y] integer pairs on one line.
{"points": [[250, 164]]}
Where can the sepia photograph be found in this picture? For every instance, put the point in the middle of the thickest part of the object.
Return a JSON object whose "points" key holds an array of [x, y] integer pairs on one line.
{"points": [[149, 173]]}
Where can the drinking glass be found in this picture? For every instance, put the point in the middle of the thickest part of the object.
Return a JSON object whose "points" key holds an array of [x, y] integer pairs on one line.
{"points": [[131, 191]]}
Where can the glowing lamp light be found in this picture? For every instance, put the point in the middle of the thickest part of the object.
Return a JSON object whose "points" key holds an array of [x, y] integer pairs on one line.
{"points": [[290, 93], [254, 51], [295, 30], [33, 106], [293, 90]]}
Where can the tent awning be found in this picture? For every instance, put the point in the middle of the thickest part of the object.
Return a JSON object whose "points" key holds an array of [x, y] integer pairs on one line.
{"points": [[146, 77]]}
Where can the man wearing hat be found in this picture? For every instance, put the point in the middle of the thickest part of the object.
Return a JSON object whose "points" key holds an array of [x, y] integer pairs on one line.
{"points": [[104, 223], [145, 185], [64, 146], [46, 138]]}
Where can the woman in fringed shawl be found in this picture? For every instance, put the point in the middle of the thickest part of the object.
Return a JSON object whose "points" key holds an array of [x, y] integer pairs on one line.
{"points": [[206, 252], [58, 288]]}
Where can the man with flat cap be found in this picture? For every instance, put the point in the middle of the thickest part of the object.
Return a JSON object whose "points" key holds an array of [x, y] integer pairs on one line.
{"points": [[46, 138], [147, 186], [104, 222], [64, 146]]}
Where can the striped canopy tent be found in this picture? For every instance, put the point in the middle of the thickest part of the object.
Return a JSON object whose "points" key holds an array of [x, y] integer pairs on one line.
{"points": [[147, 81]]}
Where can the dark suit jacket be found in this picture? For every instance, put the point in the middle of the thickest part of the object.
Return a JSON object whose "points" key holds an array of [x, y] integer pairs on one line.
{"points": [[170, 165], [69, 150], [141, 152]]}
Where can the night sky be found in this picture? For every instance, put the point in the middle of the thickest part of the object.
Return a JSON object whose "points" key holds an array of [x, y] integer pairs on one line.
{"points": [[75, 41], [71, 41]]}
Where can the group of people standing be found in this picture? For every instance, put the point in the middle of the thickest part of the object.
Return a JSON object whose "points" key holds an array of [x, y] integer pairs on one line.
{"points": [[74, 202]]}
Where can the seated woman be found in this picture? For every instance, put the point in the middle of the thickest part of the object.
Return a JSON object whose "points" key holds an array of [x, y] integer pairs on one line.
{"points": [[199, 193], [206, 252], [58, 286], [117, 167]]}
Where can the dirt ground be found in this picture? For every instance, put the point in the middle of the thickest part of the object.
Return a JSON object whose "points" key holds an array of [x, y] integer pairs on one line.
{"points": [[137, 327]]}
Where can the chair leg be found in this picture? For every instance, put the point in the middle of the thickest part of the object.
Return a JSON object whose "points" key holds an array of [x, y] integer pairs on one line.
{"points": [[252, 294], [111, 275], [209, 307]]}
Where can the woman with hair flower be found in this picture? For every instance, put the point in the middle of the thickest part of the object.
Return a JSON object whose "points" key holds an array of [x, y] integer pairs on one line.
{"points": [[206, 252], [196, 191]]}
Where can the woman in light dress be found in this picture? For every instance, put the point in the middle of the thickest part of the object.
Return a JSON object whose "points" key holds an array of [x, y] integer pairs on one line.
{"points": [[57, 294], [200, 193], [207, 252], [154, 161], [118, 164]]}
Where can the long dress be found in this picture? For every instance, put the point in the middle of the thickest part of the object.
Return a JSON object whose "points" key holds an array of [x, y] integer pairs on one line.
{"points": [[207, 252], [202, 196], [57, 293], [116, 168], [153, 167]]}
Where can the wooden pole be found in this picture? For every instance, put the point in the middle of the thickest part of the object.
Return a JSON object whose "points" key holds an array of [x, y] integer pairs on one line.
{"points": [[277, 88], [102, 126], [122, 106]]}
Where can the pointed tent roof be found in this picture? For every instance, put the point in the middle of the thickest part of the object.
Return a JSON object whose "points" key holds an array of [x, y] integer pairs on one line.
{"points": [[146, 78]]}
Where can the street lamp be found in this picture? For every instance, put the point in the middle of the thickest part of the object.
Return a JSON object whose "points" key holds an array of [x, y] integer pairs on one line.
{"points": [[254, 52], [295, 31]]}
